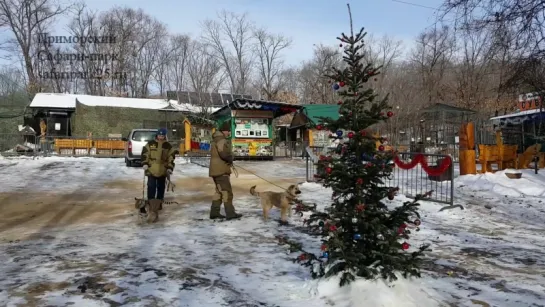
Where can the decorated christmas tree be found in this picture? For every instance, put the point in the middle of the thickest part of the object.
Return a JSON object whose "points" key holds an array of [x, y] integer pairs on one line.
{"points": [[361, 235]]}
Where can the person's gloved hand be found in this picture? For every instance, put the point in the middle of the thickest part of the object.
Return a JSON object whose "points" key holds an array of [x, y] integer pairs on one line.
{"points": [[169, 171], [145, 167]]}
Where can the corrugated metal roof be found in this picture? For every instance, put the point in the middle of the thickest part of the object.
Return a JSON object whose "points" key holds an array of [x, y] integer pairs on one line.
{"points": [[315, 111]]}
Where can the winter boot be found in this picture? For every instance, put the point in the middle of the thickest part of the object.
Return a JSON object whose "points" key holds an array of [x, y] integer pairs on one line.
{"points": [[215, 210], [230, 211]]}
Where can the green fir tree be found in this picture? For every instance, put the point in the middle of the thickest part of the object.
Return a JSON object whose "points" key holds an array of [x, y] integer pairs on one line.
{"points": [[361, 236]]}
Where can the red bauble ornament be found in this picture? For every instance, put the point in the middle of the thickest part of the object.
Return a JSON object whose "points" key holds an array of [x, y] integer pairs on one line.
{"points": [[363, 133], [319, 127], [403, 226], [381, 148], [328, 170], [340, 102], [356, 94], [350, 134], [341, 84], [323, 158], [332, 228], [390, 114], [400, 230], [302, 257], [405, 246], [417, 222], [359, 181], [360, 207], [323, 247]]}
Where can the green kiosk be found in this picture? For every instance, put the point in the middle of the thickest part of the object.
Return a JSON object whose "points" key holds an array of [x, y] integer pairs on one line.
{"points": [[250, 122]]}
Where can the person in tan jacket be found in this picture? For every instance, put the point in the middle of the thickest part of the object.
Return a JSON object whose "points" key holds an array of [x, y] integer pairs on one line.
{"points": [[221, 161]]}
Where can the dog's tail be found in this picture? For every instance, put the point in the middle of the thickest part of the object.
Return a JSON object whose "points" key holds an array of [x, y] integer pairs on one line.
{"points": [[253, 192]]}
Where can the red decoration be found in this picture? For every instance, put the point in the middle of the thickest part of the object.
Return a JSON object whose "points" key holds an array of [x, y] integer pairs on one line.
{"points": [[381, 148], [390, 114], [317, 176], [405, 246], [350, 134], [323, 158], [417, 222], [363, 133], [319, 127], [340, 102], [360, 207], [350, 114], [323, 247], [332, 228], [403, 226], [359, 181], [328, 170], [356, 94], [400, 230], [420, 158], [341, 84], [302, 257]]}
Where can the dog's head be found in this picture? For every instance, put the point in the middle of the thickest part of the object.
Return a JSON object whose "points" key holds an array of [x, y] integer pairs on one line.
{"points": [[294, 190]]}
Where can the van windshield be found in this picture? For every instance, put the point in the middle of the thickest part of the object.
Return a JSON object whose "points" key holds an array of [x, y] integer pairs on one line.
{"points": [[143, 136]]}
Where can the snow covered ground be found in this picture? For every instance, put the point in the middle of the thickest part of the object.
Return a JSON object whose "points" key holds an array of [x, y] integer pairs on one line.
{"points": [[490, 254]]}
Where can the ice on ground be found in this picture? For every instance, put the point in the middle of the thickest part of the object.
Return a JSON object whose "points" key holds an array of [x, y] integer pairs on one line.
{"points": [[490, 253]]}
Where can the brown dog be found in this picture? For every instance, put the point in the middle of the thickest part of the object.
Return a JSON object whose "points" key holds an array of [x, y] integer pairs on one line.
{"points": [[281, 200]]}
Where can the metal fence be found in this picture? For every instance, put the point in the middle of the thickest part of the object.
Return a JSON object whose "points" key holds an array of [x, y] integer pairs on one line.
{"points": [[410, 182]]}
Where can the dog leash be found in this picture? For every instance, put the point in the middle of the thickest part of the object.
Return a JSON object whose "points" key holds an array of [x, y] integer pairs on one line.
{"points": [[242, 168]]}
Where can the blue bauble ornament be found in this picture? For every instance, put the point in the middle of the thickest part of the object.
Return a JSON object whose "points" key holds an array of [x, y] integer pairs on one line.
{"points": [[325, 255], [357, 236], [336, 86], [339, 133]]}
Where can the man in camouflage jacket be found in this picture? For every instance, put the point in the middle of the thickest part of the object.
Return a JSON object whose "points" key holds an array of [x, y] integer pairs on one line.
{"points": [[158, 163]]}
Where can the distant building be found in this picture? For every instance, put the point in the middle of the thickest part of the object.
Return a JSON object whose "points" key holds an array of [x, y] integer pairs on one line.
{"points": [[79, 115]]}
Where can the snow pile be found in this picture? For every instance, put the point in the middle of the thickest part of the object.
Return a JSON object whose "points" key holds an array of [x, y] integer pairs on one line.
{"points": [[403, 292], [498, 183]]}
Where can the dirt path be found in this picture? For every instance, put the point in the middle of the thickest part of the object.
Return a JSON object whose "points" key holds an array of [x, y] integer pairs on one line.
{"points": [[27, 215]]}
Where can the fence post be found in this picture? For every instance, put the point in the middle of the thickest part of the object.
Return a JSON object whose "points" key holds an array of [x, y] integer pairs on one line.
{"points": [[306, 164], [451, 182]]}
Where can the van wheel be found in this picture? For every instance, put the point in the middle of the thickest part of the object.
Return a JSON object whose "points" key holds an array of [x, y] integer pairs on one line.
{"points": [[128, 162]]}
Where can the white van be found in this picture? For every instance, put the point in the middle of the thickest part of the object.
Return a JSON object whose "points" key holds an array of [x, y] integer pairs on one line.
{"points": [[136, 140]]}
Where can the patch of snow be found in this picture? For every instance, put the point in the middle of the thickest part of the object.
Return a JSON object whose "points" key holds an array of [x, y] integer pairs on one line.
{"points": [[491, 255]]}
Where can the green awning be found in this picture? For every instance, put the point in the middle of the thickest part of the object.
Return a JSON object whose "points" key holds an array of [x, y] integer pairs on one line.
{"points": [[315, 111]]}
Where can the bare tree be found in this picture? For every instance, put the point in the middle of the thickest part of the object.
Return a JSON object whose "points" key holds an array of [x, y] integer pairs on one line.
{"points": [[315, 87], [231, 39], [383, 52], [268, 48], [177, 68], [22, 18], [204, 71], [432, 57]]}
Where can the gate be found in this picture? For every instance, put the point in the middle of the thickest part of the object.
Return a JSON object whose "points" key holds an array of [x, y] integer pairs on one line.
{"points": [[411, 182]]}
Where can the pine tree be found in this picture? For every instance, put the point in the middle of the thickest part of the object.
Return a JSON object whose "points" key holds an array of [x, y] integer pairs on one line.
{"points": [[361, 236]]}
